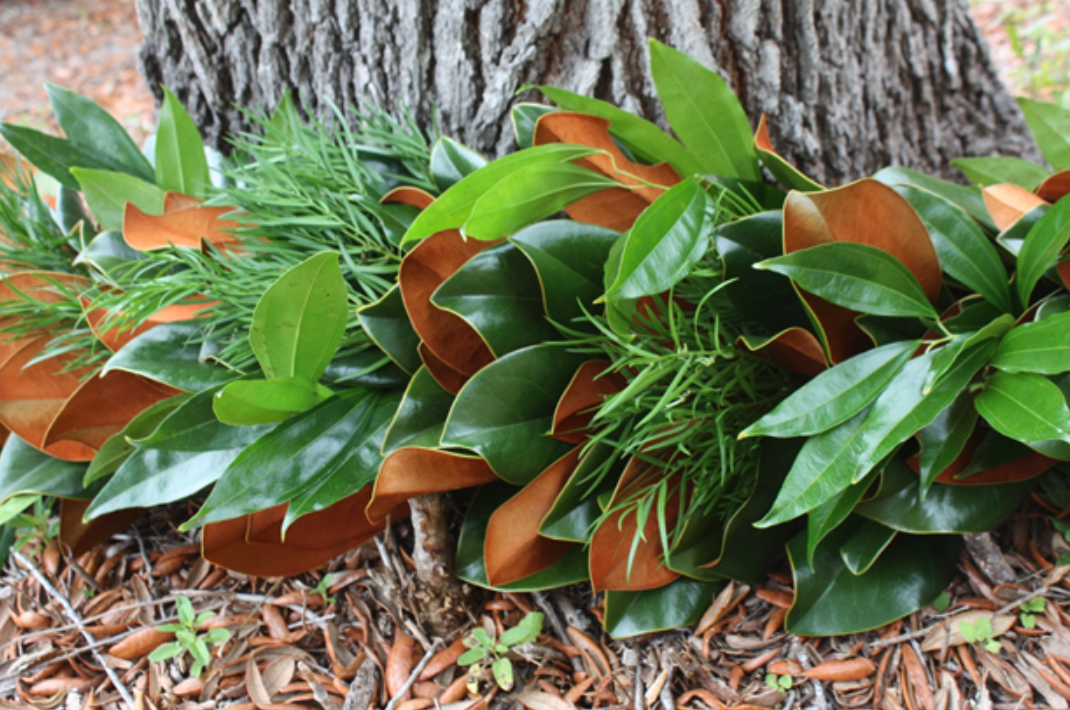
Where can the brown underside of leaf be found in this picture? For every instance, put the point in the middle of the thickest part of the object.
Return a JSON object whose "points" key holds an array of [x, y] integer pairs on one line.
{"points": [[446, 334], [1029, 466], [407, 195], [81, 536], [411, 472], [513, 548], [185, 226], [589, 387], [1054, 187], [1007, 203], [114, 339], [448, 378], [797, 349]]}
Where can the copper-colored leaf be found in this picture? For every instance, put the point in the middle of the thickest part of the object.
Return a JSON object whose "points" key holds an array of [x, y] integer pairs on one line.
{"points": [[853, 669], [592, 653], [589, 387], [115, 339], [102, 406], [410, 472], [612, 565], [1029, 466], [253, 544], [186, 226], [443, 659], [513, 548], [919, 680], [1007, 203], [1055, 187], [796, 349], [446, 334], [448, 378], [1006, 677], [81, 536], [140, 643], [412, 196], [399, 663], [865, 212]]}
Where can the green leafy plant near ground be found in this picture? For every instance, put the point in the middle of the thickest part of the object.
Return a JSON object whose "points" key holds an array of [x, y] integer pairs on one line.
{"points": [[660, 392], [485, 651], [188, 639]]}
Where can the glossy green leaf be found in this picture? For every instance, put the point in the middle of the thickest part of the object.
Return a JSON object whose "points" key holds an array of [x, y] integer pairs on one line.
{"points": [[170, 353], [14, 506], [966, 253], [387, 323], [642, 137], [786, 174], [679, 603], [181, 165], [945, 357], [451, 162], [118, 448], [865, 546], [421, 416], [969, 199], [107, 251], [828, 516], [524, 117], [505, 411], [251, 402], [830, 600], [762, 296], [299, 321], [1052, 306], [1041, 249], [835, 395], [704, 113], [945, 438], [576, 510], [1050, 126], [569, 258], [355, 465], [369, 368], [107, 193], [1025, 407], [70, 212], [25, 470], [187, 452], [92, 129], [49, 154], [530, 194], [1042, 347], [282, 463], [1014, 236], [884, 330], [469, 567], [620, 312], [1000, 170], [856, 276], [453, 208], [668, 238], [498, 293], [946, 509]]}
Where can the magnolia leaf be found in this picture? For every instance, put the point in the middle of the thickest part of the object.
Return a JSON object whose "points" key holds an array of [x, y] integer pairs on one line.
{"points": [[1050, 126], [1025, 407], [1040, 251], [452, 162], [107, 192], [181, 164], [251, 402], [1042, 347], [998, 170]]}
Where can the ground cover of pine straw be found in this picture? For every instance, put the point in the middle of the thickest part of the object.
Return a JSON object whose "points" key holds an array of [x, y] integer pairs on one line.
{"points": [[76, 633]]}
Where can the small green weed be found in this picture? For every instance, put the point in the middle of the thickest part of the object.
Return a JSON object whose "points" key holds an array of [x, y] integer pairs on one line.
{"points": [[779, 682], [187, 639], [485, 651], [980, 632], [1029, 610]]}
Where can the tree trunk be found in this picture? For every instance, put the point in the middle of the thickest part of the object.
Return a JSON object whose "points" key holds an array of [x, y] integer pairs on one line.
{"points": [[849, 85]]}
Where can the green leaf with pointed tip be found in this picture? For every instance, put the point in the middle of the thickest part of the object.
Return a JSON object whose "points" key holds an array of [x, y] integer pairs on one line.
{"points": [[93, 130], [667, 239], [251, 402], [1042, 347], [469, 567], [642, 137], [453, 208], [14, 506], [524, 117], [69, 211], [789, 176], [170, 353], [107, 251], [279, 465], [619, 311], [387, 323], [530, 194], [966, 253], [117, 449], [1025, 407], [865, 546], [704, 113], [1000, 170], [946, 509], [569, 258], [679, 603], [181, 165], [836, 395], [828, 516], [576, 510], [368, 368], [187, 452], [945, 438], [49, 154], [945, 357], [25, 470], [1041, 249], [1050, 126], [763, 297], [1014, 236], [421, 416], [299, 321], [505, 411], [452, 162], [107, 193], [969, 199], [856, 276], [497, 292], [829, 600], [355, 465]]}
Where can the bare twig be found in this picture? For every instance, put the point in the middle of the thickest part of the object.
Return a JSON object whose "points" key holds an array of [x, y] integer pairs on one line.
{"points": [[73, 615], [317, 690], [543, 601], [362, 691], [799, 654], [414, 675]]}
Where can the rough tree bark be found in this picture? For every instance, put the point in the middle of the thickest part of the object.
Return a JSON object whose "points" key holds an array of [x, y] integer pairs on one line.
{"points": [[849, 85]]}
